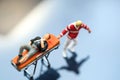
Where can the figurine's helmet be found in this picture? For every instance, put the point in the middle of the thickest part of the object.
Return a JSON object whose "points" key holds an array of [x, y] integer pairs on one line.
{"points": [[78, 23]]}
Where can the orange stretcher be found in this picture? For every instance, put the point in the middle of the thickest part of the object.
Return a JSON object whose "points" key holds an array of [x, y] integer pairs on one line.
{"points": [[53, 43]]}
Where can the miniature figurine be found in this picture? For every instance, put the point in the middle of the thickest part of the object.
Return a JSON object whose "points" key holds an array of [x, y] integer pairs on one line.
{"points": [[73, 31], [35, 45], [34, 53]]}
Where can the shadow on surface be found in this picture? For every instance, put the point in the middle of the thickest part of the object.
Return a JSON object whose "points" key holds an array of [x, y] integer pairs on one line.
{"points": [[50, 74], [72, 64]]}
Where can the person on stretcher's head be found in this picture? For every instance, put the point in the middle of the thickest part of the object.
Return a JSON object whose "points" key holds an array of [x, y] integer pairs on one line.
{"points": [[35, 45]]}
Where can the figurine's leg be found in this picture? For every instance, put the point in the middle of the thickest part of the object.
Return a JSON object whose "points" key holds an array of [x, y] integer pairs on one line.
{"points": [[73, 45], [67, 42], [27, 47], [32, 52]]}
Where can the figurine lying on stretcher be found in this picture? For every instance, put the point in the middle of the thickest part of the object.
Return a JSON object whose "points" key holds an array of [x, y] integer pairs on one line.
{"points": [[35, 45], [37, 48]]}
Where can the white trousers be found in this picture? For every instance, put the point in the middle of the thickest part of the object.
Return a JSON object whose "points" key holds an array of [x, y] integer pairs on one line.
{"points": [[69, 43]]}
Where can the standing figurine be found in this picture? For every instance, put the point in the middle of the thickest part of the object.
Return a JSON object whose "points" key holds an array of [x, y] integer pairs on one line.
{"points": [[72, 30]]}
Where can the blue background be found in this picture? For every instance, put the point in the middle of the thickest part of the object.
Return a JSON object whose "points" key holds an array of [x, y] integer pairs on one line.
{"points": [[102, 45]]}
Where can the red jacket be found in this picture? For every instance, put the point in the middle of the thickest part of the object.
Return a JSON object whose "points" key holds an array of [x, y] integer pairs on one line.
{"points": [[72, 30]]}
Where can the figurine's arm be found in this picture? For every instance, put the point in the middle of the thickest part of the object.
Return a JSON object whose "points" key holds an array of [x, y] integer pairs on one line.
{"points": [[42, 43], [45, 38], [86, 27], [63, 32]]}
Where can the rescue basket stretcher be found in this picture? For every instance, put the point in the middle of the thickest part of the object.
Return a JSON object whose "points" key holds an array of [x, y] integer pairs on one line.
{"points": [[53, 43]]}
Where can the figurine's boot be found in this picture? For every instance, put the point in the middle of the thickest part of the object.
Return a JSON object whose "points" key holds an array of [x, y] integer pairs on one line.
{"points": [[71, 49], [23, 59], [19, 57], [64, 53]]}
